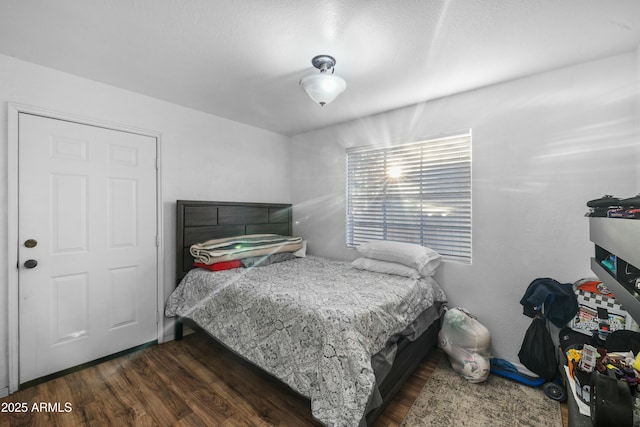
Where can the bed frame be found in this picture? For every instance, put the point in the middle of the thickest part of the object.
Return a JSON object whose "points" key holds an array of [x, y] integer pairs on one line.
{"points": [[198, 221]]}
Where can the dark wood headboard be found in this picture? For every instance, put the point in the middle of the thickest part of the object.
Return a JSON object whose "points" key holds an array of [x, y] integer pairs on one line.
{"points": [[199, 221]]}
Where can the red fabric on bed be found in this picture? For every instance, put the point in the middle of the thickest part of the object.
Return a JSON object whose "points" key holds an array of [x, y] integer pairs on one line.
{"points": [[219, 266]]}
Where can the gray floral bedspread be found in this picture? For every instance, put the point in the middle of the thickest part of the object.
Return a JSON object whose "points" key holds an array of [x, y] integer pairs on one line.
{"points": [[313, 323]]}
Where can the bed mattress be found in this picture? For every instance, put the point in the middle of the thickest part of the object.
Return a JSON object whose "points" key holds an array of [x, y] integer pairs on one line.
{"points": [[312, 322]]}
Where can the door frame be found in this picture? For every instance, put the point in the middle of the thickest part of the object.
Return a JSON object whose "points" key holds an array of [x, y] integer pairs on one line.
{"points": [[14, 109]]}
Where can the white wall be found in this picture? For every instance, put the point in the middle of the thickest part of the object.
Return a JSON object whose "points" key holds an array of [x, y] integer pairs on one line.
{"points": [[203, 157], [638, 123], [542, 147]]}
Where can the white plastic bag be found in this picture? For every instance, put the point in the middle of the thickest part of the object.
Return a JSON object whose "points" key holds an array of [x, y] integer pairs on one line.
{"points": [[467, 343]]}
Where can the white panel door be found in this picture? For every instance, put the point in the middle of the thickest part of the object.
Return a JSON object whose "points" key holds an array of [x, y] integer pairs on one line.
{"points": [[87, 243]]}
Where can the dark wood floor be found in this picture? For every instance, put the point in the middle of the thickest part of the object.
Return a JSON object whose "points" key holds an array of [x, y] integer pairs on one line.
{"points": [[192, 382]]}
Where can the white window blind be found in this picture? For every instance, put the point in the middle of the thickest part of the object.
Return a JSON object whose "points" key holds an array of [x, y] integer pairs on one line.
{"points": [[417, 193]]}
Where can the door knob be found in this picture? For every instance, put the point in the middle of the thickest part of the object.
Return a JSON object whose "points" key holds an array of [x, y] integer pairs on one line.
{"points": [[30, 263]]}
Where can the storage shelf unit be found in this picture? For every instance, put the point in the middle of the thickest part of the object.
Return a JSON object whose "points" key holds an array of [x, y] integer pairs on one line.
{"points": [[621, 238]]}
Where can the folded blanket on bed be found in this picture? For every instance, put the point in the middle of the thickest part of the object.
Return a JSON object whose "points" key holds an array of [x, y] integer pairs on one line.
{"points": [[240, 247]]}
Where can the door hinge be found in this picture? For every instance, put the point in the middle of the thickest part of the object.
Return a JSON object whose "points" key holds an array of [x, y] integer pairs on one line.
{"points": [[157, 241], [157, 163]]}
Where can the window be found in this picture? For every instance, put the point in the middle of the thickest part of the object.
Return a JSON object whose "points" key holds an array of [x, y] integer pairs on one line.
{"points": [[417, 193]]}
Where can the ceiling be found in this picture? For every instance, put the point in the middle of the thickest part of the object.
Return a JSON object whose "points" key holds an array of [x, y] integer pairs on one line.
{"points": [[242, 60]]}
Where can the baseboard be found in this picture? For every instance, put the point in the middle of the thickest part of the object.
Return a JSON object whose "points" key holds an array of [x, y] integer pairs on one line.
{"points": [[186, 331]]}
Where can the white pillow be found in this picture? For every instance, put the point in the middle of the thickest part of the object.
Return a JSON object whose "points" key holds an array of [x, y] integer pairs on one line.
{"points": [[386, 267], [423, 259]]}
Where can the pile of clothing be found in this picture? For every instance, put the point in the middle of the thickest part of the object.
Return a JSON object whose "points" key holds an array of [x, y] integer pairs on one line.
{"points": [[609, 206]]}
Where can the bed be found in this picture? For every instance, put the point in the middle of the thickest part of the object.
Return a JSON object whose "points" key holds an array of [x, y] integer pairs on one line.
{"points": [[348, 349]]}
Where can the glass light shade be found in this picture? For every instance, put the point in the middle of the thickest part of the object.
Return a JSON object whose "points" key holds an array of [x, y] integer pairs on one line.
{"points": [[323, 88]]}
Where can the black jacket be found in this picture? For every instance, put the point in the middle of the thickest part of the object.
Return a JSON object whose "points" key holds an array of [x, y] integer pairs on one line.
{"points": [[559, 299]]}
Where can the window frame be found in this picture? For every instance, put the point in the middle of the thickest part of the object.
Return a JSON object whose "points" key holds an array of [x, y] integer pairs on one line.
{"points": [[417, 192]]}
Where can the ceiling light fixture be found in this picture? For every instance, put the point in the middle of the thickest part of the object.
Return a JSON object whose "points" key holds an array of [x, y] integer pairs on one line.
{"points": [[324, 87]]}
